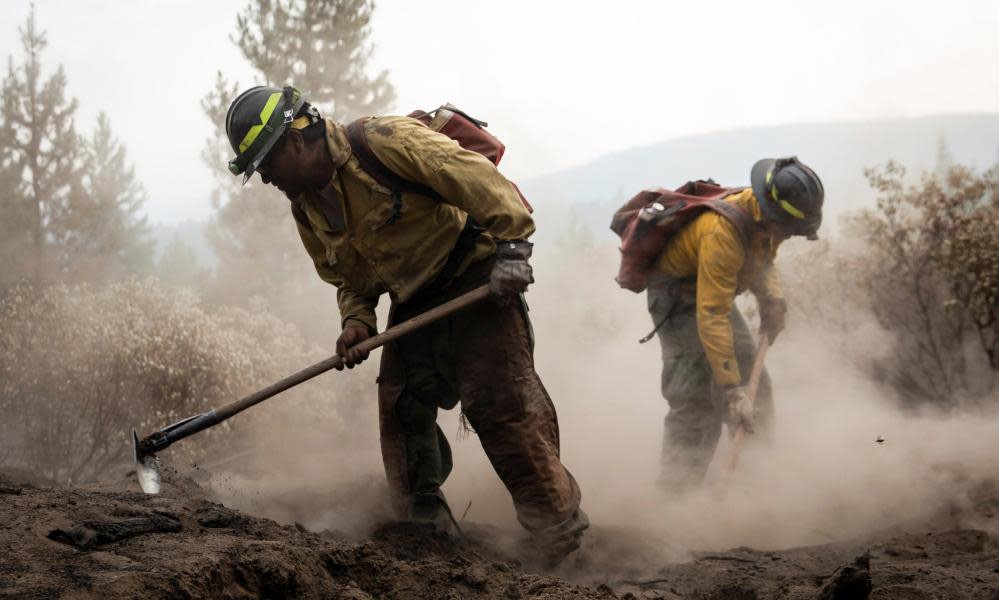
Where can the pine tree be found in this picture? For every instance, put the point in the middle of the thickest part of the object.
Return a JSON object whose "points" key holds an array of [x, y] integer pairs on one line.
{"points": [[322, 48], [15, 237], [40, 157], [105, 227], [70, 204]]}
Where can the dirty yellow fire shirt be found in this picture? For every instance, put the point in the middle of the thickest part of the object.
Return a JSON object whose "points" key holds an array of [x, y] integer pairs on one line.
{"points": [[356, 248], [711, 250]]}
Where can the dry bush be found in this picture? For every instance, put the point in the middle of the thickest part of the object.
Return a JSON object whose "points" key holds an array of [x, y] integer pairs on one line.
{"points": [[822, 283], [933, 274], [81, 365], [924, 265]]}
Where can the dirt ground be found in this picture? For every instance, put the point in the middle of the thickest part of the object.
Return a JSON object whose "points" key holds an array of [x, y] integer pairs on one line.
{"points": [[100, 543]]}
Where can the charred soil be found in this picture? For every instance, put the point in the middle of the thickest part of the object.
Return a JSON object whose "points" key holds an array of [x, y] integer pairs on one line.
{"points": [[90, 543]]}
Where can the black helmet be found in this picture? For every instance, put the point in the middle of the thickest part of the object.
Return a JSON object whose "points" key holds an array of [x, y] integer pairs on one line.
{"points": [[256, 120], [789, 193]]}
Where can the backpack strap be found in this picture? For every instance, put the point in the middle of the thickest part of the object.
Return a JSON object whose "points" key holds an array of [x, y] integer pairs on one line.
{"points": [[374, 167], [736, 215]]}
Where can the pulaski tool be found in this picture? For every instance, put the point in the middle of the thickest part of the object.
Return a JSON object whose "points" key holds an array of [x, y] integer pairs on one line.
{"points": [[739, 435], [147, 465]]}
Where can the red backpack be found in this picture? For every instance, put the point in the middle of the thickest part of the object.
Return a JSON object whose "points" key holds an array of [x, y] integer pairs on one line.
{"points": [[648, 221], [469, 132]]}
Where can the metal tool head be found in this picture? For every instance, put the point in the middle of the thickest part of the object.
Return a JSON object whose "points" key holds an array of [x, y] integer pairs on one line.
{"points": [[147, 467]]}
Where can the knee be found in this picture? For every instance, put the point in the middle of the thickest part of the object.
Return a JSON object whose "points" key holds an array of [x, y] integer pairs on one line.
{"points": [[698, 414], [414, 414], [688, 399]]}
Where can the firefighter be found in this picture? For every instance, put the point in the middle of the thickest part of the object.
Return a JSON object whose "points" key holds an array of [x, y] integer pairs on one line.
{"points": [[707, 347], [467, 227]]}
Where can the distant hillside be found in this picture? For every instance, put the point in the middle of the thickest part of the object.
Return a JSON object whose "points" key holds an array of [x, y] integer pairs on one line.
{"points": [[839, 152]]}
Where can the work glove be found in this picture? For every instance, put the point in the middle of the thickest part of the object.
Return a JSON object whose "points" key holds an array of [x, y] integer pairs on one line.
{"points": [[511, 273], [773, 314], [740, 410], [350, 337]]}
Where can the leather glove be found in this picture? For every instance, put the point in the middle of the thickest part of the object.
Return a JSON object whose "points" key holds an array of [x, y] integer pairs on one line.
{"points": [[511, 273], [350, 337], [739, 410], [773, 315]]}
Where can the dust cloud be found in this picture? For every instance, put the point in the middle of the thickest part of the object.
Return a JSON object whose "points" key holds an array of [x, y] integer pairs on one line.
{"points": [[824, 477]]}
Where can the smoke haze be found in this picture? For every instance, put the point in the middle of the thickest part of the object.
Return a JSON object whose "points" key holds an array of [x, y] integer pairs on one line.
{"points": [[824, 478]]}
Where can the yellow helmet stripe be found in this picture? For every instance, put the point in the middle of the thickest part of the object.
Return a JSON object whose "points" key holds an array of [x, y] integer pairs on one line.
{"points": [[265, 115], [791, 209], [787, 206]]}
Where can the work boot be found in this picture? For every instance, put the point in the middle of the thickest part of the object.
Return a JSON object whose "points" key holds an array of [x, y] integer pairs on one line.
{"points": [[433, 508], [558, 541]]}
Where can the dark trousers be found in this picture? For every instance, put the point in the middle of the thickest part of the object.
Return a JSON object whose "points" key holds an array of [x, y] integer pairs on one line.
{"points": [[482, 358], [696, 405]]}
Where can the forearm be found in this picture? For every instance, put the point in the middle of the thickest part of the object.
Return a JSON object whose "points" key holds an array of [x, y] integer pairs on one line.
{"points": [[768, 286], [356, 310]]}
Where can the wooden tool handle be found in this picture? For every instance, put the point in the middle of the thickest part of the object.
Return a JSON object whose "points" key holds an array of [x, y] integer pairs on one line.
{"points": [[739, 435], [376, 341], [192, 425], [757, 373]]}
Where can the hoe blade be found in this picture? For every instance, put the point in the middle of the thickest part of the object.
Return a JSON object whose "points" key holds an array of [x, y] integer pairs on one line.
{"points": [[147, 468]]}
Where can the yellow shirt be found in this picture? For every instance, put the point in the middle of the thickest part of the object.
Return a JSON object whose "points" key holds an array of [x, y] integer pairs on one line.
{"points": [[711, 250], [364, 255]]}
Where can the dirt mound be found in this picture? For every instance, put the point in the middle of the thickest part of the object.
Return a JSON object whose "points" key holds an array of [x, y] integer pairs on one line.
{"points": [[88, 543]]}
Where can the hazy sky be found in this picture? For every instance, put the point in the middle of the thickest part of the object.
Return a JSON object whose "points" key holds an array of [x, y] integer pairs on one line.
{"points": [[560, 82]]}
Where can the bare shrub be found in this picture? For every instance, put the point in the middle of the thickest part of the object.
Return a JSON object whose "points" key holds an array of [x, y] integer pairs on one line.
{"points": [[821, 280], [81, 365], [924, 263], [932, 277]]}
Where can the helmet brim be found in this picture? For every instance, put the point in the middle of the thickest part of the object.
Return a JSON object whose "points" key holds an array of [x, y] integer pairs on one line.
{"points": [[251, 168]]}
